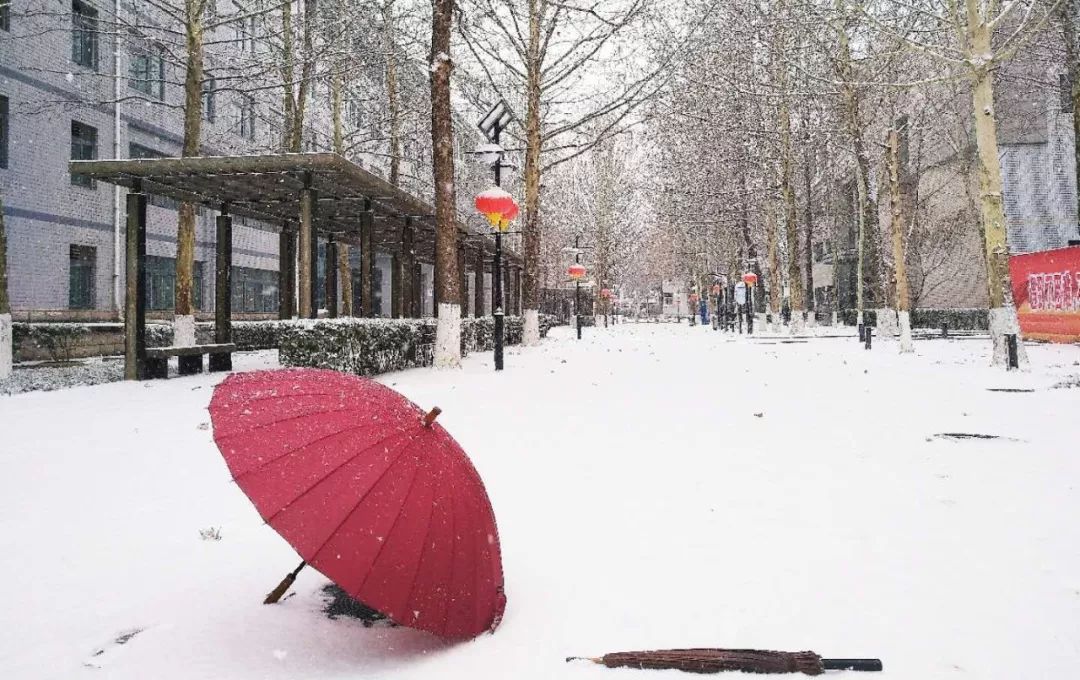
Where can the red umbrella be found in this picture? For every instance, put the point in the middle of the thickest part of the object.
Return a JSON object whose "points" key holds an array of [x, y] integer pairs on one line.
{"points": [[370, 491]]}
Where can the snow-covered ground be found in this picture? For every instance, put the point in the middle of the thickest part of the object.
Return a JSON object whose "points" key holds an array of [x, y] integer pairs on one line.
{"points": [[655, 486]]}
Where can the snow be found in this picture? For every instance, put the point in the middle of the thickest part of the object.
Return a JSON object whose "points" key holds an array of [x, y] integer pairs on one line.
{"points": [[6, 345], [656, 485]]}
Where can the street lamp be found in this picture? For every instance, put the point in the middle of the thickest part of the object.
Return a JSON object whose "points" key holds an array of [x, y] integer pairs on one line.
{"points": [[577, 273], [750, 279], [492, 124]]}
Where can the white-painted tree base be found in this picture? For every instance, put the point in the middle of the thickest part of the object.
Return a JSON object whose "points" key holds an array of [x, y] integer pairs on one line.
{"points": [[887, 326], [798, 323], [1003, 321], [906, 343], [448, 336], [811, 320], [835, 319], [531, 330], [183, 331], [7, 346]]}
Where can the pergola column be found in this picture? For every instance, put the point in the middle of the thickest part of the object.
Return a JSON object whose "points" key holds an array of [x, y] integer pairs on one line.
{"points": [[223, 290], [396, 306], [135, 294], [463, 278], [286, 274], [367, 260], [478, 276], [331, 276], [308, 246], [404, 270], [418, 289]]}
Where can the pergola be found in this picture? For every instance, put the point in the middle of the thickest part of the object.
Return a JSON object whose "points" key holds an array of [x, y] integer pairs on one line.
{"points": [[301, 197]]}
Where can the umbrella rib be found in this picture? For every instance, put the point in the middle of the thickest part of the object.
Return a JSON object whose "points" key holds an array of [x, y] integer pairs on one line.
{"points": [[335, 469], [427, 537], [263, 426], [360, 500], [404, 503], [453, 551], [296, 449]]}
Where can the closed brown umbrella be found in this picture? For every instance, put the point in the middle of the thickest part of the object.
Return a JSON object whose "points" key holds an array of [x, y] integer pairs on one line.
{"points": [[718, 660]]}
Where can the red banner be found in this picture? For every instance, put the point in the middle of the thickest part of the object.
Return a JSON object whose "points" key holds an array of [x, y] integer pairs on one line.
{"points": [[1046, 290]]}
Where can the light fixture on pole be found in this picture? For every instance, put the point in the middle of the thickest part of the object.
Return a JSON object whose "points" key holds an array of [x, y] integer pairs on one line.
{"points": [[750, 279], [492, 124], [577, 273]]}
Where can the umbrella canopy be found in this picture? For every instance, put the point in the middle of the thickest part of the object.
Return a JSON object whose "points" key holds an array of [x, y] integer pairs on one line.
{"points": [[368, 491]]}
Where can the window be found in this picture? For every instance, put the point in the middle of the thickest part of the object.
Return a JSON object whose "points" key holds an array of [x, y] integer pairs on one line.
{"points": [[84, 37], [3, 130], [244, 33], [246, 109], [208, 97], [82, 263], [1065, 93], [161, 283], [83, 148], [147, 73], [254, 290]]}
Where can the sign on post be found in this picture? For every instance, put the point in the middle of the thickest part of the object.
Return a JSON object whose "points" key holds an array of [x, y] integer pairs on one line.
{"points": [[740, 293]]}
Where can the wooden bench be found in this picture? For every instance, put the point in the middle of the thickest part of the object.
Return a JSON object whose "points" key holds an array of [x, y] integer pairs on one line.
{"points": [[190, 359]]}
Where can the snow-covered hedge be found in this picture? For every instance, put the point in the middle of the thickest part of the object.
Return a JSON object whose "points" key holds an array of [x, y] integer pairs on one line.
{"points": [[957, 319], [372, 346], [58, 339]]}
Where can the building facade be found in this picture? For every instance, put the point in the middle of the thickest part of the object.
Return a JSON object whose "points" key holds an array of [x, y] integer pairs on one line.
{"points": [[85, 79]]}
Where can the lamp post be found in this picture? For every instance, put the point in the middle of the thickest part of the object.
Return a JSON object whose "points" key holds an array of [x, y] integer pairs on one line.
{"points": [[750, 279], [492, 124], [577, 272]]}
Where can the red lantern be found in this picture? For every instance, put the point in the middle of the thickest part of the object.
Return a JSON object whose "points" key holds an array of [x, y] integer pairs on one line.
{"points": [[749, 278], [495, 204], [716, 289], [605, 293], [508, 217], [576, 272]]}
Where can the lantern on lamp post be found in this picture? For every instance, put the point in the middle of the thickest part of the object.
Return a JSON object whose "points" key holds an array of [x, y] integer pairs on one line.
{"points": [[576, 272], [499, 208], [750, 279]]}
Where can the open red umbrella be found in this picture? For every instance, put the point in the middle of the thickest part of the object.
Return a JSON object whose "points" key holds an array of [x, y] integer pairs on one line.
{"points": [[369, 490]]}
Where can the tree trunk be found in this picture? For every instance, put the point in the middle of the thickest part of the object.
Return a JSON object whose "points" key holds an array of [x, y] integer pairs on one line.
{"points": [[1003, 320], [897, 204], [447, 280], [6, 340], [393, 101], [787, 184], [1070, 18], [288, 56], [184, 320], [531, 292], [337, 86], [867, 208], [775, 277]]}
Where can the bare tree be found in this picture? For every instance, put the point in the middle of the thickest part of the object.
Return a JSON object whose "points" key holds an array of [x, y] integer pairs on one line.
{"points": [[447, 278], [971, 39]]}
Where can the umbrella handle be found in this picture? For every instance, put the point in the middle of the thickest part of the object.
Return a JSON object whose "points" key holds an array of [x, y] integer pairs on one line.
{"points": [[276, 593], [431, 416], [851, 664]]}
